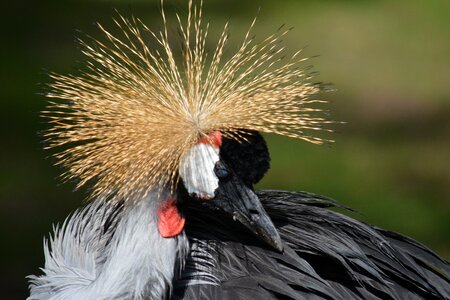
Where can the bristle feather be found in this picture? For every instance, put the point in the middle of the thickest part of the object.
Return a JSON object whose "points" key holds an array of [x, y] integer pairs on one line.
{"points": [[127, 121]]}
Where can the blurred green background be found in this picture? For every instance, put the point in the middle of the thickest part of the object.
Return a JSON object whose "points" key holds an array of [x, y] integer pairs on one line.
{"points": [[389, 60]]}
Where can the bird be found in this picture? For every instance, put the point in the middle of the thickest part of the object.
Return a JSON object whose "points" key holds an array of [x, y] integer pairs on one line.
{"points": [[171, 148]]}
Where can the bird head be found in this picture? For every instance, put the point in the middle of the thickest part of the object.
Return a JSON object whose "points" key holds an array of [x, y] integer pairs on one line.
{"points": [[220, 173], [143, 118]]}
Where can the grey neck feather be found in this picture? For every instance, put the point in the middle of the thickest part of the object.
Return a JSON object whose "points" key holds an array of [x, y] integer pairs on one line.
{"points": [[129, 261]]}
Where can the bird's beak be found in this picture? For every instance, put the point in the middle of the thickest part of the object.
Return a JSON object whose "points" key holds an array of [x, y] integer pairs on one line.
{"points": [[235, 198]]}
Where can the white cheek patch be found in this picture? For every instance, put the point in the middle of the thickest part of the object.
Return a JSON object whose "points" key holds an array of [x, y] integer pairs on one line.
{"points": [[197, 170]]}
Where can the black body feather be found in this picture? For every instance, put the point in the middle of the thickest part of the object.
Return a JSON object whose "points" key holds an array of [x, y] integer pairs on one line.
{"points": [[326, 256]]}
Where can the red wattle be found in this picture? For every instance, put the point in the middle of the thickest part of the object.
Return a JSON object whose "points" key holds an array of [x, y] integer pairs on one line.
{"points": [[170, 222]]}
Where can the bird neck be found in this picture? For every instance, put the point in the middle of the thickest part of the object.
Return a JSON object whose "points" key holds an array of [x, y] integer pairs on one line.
{"points": [[140, 262]]}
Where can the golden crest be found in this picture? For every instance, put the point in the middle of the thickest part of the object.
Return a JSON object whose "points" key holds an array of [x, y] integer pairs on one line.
{"points": [[126, 122]]}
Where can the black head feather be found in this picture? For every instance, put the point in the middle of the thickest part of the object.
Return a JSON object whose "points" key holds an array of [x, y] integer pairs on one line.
{"points": [[248, 158]]}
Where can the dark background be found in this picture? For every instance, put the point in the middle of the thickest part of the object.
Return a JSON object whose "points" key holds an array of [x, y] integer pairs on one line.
{"points": [[389, 60]]}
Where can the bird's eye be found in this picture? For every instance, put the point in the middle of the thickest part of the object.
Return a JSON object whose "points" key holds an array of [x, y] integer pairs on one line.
{"points": [[221, 171]]}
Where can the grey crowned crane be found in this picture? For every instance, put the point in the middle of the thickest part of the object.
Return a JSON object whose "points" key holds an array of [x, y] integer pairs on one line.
{"points": [[172, 151]]}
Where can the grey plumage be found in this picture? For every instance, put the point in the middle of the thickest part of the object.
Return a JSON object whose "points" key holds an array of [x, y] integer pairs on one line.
{"points": [[107, 251]]}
